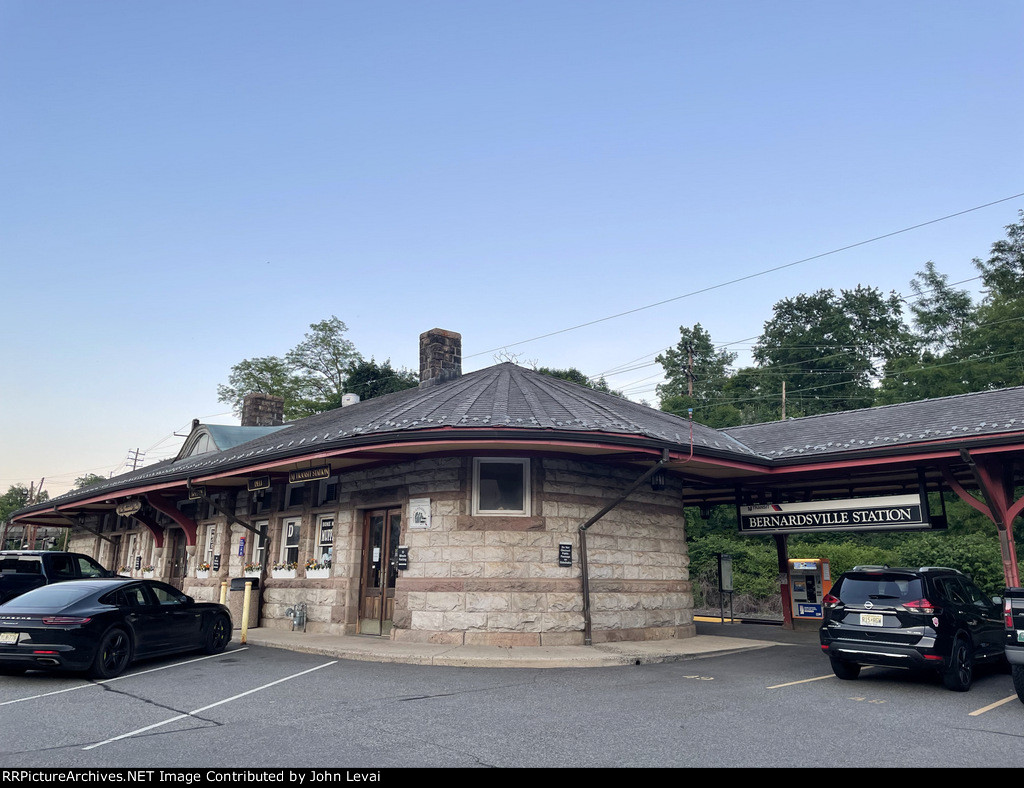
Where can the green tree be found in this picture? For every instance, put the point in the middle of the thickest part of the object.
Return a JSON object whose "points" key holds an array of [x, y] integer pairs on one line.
{"points": [[88, 480], [368, 379], [310, 378], [696, 375], [18, 496], [320, 362], [829, 349], [996, 344], [267, 375], [574, 375], [941, 315]]}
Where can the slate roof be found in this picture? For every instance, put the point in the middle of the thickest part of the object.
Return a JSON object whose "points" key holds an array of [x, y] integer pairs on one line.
{"points": [[492, 401], [979, 414]]}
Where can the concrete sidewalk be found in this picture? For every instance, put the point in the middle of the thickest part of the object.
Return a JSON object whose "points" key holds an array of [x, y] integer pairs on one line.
{"points": [[377, 649]]}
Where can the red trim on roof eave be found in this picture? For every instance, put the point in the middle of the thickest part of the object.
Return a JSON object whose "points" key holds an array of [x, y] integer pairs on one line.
{"points": [[952, 453], [680, 455]]}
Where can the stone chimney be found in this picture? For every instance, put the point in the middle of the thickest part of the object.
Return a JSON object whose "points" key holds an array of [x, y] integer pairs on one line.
{"points": [[262, 410], [440, 356]]}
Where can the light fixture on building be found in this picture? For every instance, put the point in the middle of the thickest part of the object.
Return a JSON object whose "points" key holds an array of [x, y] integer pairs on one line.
{"points": [[658, 480]]}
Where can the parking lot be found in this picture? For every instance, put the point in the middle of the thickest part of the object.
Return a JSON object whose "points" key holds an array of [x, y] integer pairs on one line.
{"points": [[261, 707]]}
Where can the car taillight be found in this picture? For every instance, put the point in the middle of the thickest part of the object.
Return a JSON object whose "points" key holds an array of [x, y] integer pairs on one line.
{"points": [[1008, 614], [58, 621], [921, 605], [830, 601]]}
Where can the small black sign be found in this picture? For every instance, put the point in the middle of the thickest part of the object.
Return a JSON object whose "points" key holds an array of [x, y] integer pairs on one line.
{"points": [[216, 563], [565, 554], [309, 474], [259, 483], [402, 557], [197, 491], [138, 562]]}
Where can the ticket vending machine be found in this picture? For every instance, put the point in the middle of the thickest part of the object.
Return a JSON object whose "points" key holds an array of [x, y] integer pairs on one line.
{"points": [[809, 581]]}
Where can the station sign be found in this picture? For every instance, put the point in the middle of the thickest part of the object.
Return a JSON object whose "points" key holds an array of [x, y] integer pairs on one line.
{"points": [[309, 474], [128, 508], [885, 513]]}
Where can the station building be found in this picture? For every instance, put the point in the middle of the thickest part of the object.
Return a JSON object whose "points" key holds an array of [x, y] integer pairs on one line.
{"points": [[505, 506]]}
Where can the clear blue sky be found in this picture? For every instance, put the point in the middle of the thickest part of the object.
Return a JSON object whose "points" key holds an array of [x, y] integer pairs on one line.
{"points": [[187, 184]]}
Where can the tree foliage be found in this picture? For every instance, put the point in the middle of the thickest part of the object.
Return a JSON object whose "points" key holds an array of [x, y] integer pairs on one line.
{"points": [[88, 480], [573, 375], [368, 379], [313, 375], [18, 496]]}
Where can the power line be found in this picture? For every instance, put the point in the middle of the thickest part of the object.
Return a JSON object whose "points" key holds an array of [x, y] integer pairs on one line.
{"points": [[749, 276]]}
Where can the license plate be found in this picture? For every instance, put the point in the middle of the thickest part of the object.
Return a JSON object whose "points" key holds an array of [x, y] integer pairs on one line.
{"points": [[871, 619], [1020, 635], [8, 638]]}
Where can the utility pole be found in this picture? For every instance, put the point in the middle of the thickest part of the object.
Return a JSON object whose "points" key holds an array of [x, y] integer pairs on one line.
{"points": [[783, 400], [135, 458]]}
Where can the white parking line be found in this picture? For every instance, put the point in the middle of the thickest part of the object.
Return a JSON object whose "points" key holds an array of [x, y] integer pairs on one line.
{"points": [[206, 708], [118, 678]]}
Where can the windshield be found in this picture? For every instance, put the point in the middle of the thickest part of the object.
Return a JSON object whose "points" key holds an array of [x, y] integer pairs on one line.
{"points": [[858, 589]]}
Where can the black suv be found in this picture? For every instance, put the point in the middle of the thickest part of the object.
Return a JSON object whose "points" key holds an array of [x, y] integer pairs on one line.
{"points": [[931, 617]]}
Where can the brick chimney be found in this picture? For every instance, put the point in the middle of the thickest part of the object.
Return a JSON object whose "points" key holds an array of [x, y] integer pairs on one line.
{"points": [[262, 410], [440, 356]]}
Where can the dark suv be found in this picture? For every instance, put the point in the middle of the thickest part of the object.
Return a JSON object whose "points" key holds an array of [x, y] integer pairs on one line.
{"points": [[931, 617]]}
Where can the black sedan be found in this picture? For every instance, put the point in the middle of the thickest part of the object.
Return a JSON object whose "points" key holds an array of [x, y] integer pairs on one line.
{"points": [[102, 625]]}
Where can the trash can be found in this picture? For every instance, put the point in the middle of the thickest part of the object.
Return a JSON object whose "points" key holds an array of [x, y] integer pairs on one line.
{"points": [[236, 600]]}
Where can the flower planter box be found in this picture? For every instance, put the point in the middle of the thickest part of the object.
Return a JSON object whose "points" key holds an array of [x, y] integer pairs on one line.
{"points": [[202, 574], [317, 574], [253, 574], [283, 574], [147, 575]]}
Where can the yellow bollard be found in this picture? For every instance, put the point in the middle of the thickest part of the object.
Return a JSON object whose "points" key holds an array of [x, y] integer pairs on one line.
{"points": [[224, 592], [245, 610]]}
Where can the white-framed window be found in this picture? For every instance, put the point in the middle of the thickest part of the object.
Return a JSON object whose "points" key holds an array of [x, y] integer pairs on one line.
{"points": [[325, 540], [259, 544], [501, 486], [211, 543], [291, 530]]}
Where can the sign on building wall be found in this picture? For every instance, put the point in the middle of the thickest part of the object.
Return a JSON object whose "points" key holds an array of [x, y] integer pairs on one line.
{"points": [[309, 474], [890, 512], [419, 513]]}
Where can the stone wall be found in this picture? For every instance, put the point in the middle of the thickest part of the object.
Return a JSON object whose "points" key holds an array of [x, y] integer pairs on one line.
{"points": [[477, 579]]}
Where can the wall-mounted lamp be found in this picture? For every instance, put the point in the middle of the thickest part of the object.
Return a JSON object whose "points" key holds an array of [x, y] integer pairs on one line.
{"points": [[658, 481]]}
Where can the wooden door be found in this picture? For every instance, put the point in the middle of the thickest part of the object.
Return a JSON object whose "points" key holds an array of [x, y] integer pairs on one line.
{"points": [[382, 529]]}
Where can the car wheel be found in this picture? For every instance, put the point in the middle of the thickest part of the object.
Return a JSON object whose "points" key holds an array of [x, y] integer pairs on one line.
{"points": [[845, 670], [959, 673], [113, 655], [1018, 681], [219, 635]]}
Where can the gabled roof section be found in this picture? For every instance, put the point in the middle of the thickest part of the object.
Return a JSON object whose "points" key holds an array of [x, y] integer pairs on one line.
{"points": [[963, 416], [206, 438]]}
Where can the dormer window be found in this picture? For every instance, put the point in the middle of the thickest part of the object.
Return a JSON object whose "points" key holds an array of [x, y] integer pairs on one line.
{"points": [[501, 486]]}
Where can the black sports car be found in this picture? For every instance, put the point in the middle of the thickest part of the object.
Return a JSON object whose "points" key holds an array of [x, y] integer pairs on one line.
{"points": [[102, 625]]}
